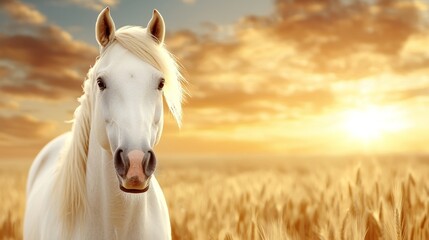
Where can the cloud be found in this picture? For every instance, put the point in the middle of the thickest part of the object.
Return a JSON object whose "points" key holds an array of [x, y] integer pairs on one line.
{"points": [[22, 12], [22, 135], [306, 44], [38, 61], [4, 71], [50, 64], [24, 126], [45, 63], [8, 104], [188, 1], [95, 5], [408, 94], [283, 77], [308, 60], [348, 38]]}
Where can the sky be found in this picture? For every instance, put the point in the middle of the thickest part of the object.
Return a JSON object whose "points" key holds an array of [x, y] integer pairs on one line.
{"points": [[266, 78]]}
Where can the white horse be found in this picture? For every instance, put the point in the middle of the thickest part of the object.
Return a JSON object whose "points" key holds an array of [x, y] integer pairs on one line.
{"points": [[97, 181]]}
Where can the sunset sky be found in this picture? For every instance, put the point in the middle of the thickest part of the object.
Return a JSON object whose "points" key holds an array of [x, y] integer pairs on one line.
{"points": [[266, 78]]}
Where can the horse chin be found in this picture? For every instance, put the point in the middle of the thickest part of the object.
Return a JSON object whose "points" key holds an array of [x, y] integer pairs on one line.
{"points": [[134, 190], [134, 185]]}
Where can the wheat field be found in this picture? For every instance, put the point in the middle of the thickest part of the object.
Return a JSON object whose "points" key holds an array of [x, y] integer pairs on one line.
{"points": [[341, 198]]}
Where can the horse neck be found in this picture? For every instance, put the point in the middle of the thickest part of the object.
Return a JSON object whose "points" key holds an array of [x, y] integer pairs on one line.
{"points": [[107, 205]]}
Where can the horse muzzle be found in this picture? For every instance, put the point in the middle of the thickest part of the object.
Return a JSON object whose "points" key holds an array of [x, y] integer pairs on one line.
{"points": [[134, 169]]}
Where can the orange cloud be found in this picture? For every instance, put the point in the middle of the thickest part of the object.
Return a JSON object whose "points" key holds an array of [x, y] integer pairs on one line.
{"points": [[22, 12], [38, 61], [24, 127], [8, 104], [4, 71], [309, 60], [271, 84], [306, 45], [48, 64]]}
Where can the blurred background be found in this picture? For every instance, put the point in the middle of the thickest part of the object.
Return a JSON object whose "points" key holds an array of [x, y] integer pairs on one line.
{"points": [[307, 119], [266, 78]]}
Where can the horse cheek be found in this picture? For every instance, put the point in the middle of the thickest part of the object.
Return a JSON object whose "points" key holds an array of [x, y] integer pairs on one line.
{"points": [[101, 132]]}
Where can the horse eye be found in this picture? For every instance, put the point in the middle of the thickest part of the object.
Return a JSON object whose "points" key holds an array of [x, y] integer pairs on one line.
{"points": [[161, 84], [101, 84]]}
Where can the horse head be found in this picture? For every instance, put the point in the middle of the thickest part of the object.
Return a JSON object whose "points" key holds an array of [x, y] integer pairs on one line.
{"points": [[128, 84]]}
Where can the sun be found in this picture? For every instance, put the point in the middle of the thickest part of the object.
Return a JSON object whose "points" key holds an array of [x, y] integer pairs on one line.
{"points": [[371, 123]]}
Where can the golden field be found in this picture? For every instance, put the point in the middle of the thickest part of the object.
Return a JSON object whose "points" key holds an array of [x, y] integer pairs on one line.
{"points": [[341, 198]]}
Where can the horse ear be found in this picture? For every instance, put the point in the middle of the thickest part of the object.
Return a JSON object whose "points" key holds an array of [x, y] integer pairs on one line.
{"points": [[104, 28], [156, 27]]}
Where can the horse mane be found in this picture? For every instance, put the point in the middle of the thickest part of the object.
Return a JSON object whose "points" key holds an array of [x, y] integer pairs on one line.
{"points": [[71, 173]]}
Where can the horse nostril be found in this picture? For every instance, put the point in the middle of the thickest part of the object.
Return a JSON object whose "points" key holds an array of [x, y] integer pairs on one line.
{"points": [[149, 163], [120, 163]]}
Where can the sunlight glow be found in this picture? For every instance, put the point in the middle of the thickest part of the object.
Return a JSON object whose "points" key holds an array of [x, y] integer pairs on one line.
{"points": [[372, 123]]}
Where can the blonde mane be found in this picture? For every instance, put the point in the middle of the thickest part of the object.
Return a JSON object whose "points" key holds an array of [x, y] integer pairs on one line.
{"points": [[71, 173]]}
